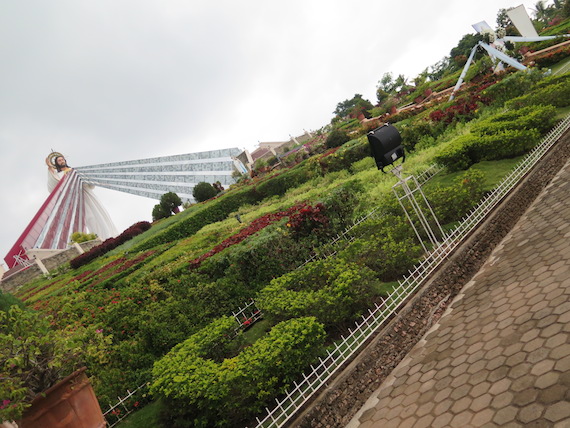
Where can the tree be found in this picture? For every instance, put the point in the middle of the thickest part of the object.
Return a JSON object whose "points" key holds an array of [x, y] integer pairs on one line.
{"points": [[388, 86], [79, 237], [464, 47], [203, 191], [347, 107], [439, 69], [169, 203], [541, 11], [503, 21], [159, 212], [386, 83]]}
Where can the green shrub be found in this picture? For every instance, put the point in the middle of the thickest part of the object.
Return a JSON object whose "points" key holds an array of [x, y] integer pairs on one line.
{"points": [[203, 191], [341, 202], [336, 138], [388, 258], [280, 183], [455, 155], [504, 145], [557, 95], [197, 388], [451, 203], [413, 132], [466, 150], [344, 157], [334, 291], [537, 117], [7, 300], [514, 85], [254, 262]]}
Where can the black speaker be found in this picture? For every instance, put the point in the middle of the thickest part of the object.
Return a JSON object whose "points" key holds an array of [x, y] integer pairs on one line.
{"points": [[385, 143]]}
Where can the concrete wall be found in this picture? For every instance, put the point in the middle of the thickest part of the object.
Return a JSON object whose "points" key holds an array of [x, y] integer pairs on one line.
{"points": [[17, 279]]}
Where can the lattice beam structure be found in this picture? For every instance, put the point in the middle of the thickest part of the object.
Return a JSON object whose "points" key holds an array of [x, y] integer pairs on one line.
{"points": [[154, 177]]}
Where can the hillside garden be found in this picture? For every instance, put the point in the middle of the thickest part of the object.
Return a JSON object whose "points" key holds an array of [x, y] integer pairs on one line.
{"points": [[161, 303]]}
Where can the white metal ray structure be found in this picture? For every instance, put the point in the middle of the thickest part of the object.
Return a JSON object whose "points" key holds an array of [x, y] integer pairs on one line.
{"points": [[154, 177], [523, 24]]}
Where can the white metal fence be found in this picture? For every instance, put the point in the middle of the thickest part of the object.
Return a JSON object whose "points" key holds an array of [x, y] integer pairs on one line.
{"points": [[345, 348], [124, 407]]}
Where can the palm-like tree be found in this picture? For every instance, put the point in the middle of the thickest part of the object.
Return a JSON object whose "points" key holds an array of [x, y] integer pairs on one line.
{"points": [[541, 12]]}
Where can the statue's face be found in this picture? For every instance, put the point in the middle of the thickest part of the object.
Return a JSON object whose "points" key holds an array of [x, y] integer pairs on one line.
{"points": [[60, 161]]}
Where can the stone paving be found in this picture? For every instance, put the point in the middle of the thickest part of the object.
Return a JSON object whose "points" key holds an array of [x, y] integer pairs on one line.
{"points": [[500, 355]]}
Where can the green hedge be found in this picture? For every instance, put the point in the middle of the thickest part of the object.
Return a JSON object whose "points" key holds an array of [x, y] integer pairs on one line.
{"points": [[210, 212], [456, 155], [469, 149], [280, 183], [254, 262], [557, 95], [218, 209], [334, 291], [504, 135], [514, 85], [537, 117], [450, 203], [201, 392], [387, 257]]}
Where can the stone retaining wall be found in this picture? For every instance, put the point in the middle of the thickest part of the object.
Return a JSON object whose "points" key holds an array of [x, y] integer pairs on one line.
{"points": [[344, 396], [59, 259], [12, 282]]}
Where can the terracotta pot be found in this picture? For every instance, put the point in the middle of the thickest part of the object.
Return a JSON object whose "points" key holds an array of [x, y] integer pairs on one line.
{"points": [[71, 403]]}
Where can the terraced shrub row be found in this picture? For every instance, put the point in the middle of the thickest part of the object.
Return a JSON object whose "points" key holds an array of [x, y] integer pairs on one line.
{"points": [[220, 208], [110, 244], [504, 135]]}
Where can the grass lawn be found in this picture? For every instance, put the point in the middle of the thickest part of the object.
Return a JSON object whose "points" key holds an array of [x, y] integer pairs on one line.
{"points": [[145, 417], [494, 171], [562, 67]]}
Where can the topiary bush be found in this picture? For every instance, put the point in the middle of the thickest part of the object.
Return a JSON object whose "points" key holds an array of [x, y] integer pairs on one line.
{"points": [[334, 291], [203, 191], [195, 386], [456, 155], [539, 117], [467, 150]]}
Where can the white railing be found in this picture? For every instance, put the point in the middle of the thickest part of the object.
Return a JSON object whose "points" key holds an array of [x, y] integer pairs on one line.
{"points": [[123, 408], [247, 315], [345, 348]]}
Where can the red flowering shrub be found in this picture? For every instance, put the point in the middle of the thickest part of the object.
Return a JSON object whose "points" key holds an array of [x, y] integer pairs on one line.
{"points": [[547, 59], [463, 109], [110, 244], [308, 219], [254, 227]]}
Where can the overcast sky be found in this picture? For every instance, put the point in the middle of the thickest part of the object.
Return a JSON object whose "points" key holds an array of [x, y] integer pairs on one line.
{"points": [[105, 80]]}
